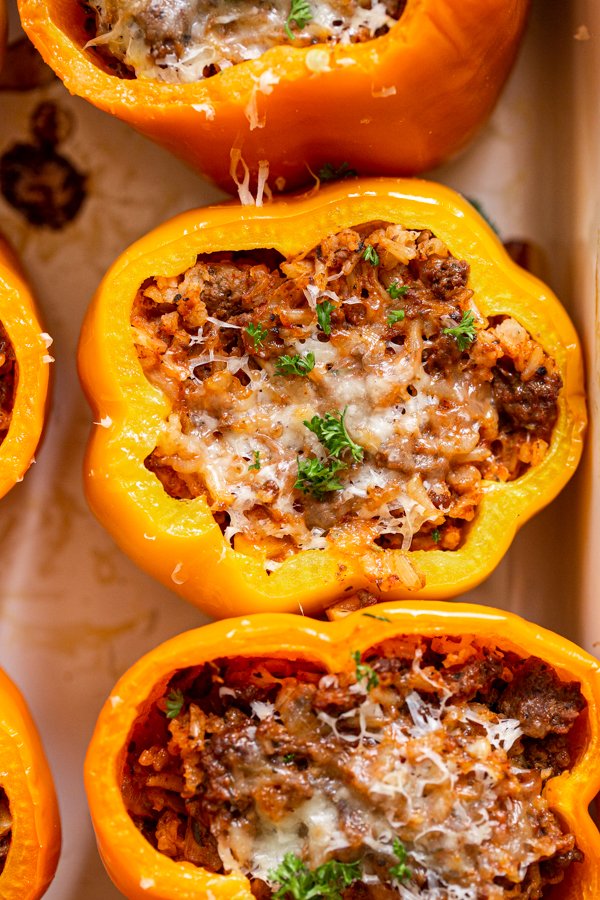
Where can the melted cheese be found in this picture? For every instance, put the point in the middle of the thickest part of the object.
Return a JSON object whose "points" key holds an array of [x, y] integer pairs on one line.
{"points": [[197, 35]]}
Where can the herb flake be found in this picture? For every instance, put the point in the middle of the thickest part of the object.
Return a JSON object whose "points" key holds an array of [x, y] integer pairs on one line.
{"points": [[436, 535], [365, 672], [300, 14], [257, 332], [395, 315], [295, 365], [329, 172], [396, 290], [401, 871], [379, 618], [332, 433], [327, 881], [174, 704], [324, 311], [465, 332], [256, 464], [317, 477], [371, 255]]}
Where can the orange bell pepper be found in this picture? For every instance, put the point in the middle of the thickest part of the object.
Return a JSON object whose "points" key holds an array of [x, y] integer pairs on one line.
{"points": [[178, 541], [27, 782], [141, 872], [19, 317], [398, 104]]}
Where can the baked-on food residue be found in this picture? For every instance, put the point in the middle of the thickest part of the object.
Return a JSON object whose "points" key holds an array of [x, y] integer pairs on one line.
{"points": [[188, 40], [5, 828], [354, 393], [417, 772], [8, 381]]}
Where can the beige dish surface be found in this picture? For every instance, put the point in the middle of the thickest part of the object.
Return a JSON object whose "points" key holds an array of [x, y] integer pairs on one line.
{"points": [[75, 612]]}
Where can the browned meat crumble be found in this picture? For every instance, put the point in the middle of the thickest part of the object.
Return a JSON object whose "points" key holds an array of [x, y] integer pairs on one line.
{"points": [[5, 829], [8, 382], [435, 398], [442, 744]]}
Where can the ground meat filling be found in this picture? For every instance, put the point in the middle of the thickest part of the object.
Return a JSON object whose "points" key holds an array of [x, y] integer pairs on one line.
{"points": [[354, 392], [8, 382], [420, 770], [5, 829], [188, 40]]}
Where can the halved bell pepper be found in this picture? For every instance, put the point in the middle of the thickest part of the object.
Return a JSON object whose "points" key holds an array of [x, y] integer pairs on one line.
{"points": [[178, 541], [19, 318], [142, 872], [398, 104], [27, 784]]}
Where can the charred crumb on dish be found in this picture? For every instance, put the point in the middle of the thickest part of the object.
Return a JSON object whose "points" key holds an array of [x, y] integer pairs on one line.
{"points": [[226, 324], [256, 740], [38, 181]]}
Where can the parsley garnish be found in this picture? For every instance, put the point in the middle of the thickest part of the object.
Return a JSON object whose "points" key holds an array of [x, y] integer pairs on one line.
{"points": [[174, 704], [396, 290], [400, 872], [289, 757], [395, 315], [256, 463], [435, 535], [379, 618], [301, 14], [328, 880], [332, 433], [257, 333], [329, 172], [317, 477], [365, 672], [464, 333], [324, 311], [295, 365], [371, 255]]}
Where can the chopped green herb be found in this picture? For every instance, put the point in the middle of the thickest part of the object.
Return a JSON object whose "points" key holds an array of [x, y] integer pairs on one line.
{"points": [[257, 332], [465, 332], [332, 433], [371, 255], [324, 311], [329, 172], [396, 290], [317, 477], [401, 871], [289, 757], [256, 463], [395, 315], [379, 618], [436, 535], [174, 704], [295, 365], [300, 14], [365, 672], [327, 881]]}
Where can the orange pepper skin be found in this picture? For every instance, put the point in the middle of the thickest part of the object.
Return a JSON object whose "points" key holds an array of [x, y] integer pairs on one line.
{"points": [[27, 782], [397, 105], [19, 317], [141, 872], [178, 541]]}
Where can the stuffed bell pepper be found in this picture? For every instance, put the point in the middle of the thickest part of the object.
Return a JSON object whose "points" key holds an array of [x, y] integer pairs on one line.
{"points": [[338, 392], [24, 372], [428, 751], [263, 96], [29, 821]]}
